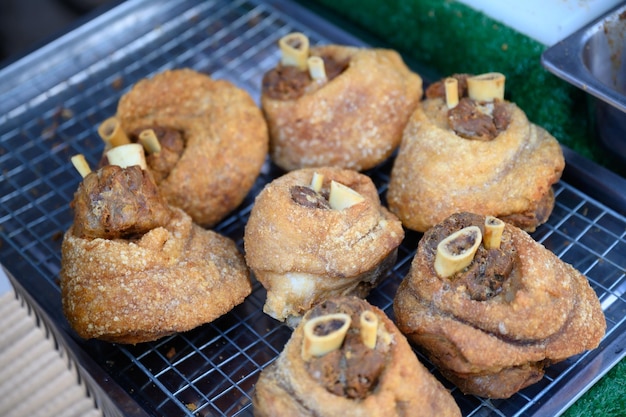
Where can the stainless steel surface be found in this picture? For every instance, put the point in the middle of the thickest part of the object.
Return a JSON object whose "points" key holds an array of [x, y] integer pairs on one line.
{"points": [[50, 104], [593, 60]]}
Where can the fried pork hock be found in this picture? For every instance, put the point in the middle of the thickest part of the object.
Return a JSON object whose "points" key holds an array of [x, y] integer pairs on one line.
{"points": [[367, 369], [481, 156], [134, 269], [317, 233], [493, 325], [351, 118], [213, 140]]}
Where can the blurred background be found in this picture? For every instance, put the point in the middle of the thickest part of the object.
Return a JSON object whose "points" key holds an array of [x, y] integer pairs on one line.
{"points": [[28, 24]]}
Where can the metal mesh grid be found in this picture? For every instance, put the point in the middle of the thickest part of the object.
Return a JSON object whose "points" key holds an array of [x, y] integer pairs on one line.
{"points": [[212, 370]]}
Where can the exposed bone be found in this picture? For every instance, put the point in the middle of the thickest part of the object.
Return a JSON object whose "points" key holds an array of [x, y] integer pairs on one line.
{"points": [[486, 87], [295, 50], [317, 71], [317, 181], [451, 86], [111, 132], [457, 251], [81, 165], [127, 155], [493, 232], [150, 141], [342, 197], [324, 334], [369, 328]]}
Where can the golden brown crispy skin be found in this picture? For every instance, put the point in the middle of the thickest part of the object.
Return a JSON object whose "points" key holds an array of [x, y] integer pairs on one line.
{"points": [[172, 279], [353, 121], [438, 173], [303, 255], [545, 313], [226, 139], [404, 386]]}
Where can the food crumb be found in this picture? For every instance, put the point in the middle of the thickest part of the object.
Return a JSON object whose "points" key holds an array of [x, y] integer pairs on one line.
{"points": [[170, 353], [117, 83]]}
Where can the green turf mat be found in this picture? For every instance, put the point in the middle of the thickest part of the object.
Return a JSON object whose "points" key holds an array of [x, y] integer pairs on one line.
{"points": [[607, 398]]}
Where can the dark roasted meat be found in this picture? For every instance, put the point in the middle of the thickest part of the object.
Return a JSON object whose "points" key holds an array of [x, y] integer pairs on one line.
{"points": [[352, 371], [289, 83], [115, 202]]}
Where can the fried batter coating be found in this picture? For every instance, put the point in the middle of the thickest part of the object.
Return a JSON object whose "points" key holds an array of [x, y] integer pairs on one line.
{"points": [[355, 120], [303, 251], [534, 310], [140, 270], [386, 380], [440, 171], [224, 132]]}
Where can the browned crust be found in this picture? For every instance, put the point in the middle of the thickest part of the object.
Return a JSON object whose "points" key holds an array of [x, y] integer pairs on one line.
{"points": [[354, 121], [173, 279], [335, 249], [406, 388], [438, 173], [225, 132], [494, 348]]}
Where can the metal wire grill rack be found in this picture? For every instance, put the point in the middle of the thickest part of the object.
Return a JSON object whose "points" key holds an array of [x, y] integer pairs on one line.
{"points": [[46, 116]]}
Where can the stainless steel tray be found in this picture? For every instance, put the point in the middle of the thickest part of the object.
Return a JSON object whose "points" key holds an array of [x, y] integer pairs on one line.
{"points": [[50, 104], [593, 60]]}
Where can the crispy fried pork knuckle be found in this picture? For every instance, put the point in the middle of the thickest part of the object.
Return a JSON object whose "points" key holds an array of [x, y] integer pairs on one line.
{"points": [[485, 158], [492, 327], [134, 269], [353, 120], [352, 379], [224, 133], [302, 250]]}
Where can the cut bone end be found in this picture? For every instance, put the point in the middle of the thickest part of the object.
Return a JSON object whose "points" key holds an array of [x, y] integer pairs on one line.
{"points": [[294, 49], [111, 132], [317, 71], [324, 334], [457, 251], [127, 155], [342, 197], [81, 165], [486, 87], [493, 232], [369, 328], [317, 181], [150, 141], [451, 86]]}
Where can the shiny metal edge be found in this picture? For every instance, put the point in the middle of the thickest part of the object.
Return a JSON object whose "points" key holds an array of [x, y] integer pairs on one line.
{"points": [[564, 59]]}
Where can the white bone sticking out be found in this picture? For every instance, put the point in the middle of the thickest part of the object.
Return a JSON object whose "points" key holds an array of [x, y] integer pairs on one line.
{"points": [[317, 71], [317, 181], [127, 155], [451, 86], [456, 252], [342, 196], [369, 328], [150, 141], [111, 132], [323, 334], [81, 165], [486, 87], [294, 49], [493, 232]]}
